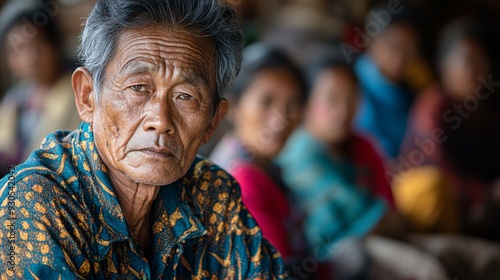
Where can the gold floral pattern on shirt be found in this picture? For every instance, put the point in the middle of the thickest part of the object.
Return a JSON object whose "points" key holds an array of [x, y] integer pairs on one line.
{"points": [[60, 219]]}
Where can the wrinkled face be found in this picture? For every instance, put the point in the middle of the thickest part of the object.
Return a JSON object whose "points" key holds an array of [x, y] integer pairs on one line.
{"points": [[31, 58], [267, 112], [155, 104], [395, 50], [466, 61], [332, 106]]}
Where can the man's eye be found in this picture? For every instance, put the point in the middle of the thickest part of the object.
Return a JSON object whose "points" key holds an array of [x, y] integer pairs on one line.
{"points": [[185, 96], [139, 88]]}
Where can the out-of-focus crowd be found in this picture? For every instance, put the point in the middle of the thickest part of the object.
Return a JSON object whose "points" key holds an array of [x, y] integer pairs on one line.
{"points": [[363, 134]]}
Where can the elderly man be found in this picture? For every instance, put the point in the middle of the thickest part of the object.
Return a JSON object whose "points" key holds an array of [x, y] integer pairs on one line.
{"points": [[125, 196]]}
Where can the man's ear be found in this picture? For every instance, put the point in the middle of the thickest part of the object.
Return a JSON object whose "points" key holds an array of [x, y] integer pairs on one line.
{"points": [[230, 116], [83, 87], [217, 118]]}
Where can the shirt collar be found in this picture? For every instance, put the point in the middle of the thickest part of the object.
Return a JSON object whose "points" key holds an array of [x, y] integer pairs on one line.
{"points": [[176, 215]]}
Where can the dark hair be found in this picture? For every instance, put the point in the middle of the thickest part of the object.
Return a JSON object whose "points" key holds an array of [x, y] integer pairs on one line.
{"points": [[408, 16], [28, 14], [205, 18], [330, 61], [260, 57], [465, 29]]}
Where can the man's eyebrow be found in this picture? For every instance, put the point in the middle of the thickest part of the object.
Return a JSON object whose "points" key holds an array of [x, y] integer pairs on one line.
{"points": [[136, 67], [195, 78]]}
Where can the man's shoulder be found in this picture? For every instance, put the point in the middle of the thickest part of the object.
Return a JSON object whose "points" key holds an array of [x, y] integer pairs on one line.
{"points": [[47, 220], [214, 192], [228, 224], [38, 187], [205, 176], [210, 184], [54, 157], [48, 172]]}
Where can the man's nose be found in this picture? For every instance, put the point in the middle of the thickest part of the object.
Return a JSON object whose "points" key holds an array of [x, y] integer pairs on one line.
{"points": [[161, 113]]}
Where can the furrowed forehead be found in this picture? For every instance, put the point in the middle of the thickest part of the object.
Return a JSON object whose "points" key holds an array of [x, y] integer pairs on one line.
{"points": [[152, 49], [189, 73]]}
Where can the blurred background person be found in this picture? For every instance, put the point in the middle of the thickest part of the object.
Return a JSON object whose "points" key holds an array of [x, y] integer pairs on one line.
{"points": [[330, 113], [266, 105], [339, 177], [452, 140], [386, 95], [3, 71], [40, 98]]}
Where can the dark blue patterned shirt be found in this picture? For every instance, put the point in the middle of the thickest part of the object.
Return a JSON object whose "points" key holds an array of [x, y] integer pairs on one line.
{"points": [[60, 219]]}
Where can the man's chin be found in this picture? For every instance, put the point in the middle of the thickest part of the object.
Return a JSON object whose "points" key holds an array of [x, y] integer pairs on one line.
{"points": [[154, 175], [153, 181]]}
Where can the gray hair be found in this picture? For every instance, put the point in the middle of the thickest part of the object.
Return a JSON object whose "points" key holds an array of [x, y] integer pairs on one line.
{"points": [[207, 18]]}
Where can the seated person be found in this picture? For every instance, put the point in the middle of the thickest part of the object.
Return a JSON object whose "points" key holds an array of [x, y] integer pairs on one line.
{"points": [[124, 196], [386, 98], [327, 166], [337, 174], [451, 182], [266, 105], [330, 112], [40, 101]]}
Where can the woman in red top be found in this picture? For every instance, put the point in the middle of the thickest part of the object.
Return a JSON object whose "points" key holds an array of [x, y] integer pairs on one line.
{"points": [[266, 104]]}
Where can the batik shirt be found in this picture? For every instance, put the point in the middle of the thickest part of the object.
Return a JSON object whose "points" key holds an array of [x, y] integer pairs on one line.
{"points": [[60, 219]]}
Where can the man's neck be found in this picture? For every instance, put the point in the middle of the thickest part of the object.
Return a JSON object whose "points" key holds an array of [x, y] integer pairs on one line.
{"points": [[136, 201]]}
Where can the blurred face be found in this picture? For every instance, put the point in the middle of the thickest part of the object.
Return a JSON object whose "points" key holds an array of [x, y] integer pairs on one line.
{"points": [[267, 112], [461, 68], [332, 106], [155, 106], [394, 50], [32, 58]]}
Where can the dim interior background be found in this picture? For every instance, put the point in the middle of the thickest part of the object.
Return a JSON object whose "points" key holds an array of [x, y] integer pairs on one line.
{"points": [[306, 22], [304, 28]]}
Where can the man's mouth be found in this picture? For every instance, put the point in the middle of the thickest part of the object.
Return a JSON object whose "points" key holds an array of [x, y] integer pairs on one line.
{"points": [[157, 151]]}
